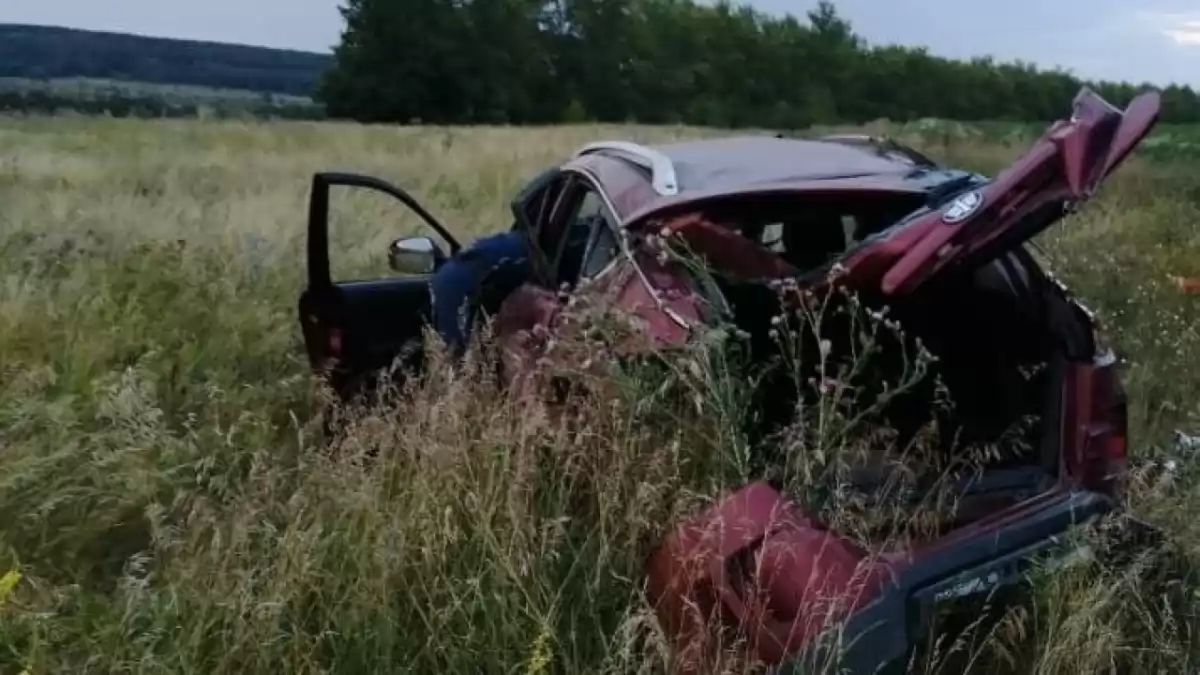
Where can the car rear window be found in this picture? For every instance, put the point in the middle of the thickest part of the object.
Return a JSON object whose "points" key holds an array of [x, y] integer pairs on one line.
{"points": [[809, 231]]}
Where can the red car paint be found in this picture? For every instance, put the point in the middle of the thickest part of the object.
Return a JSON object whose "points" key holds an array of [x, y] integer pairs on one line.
{"points": [[807, 578], [1067, 163]]}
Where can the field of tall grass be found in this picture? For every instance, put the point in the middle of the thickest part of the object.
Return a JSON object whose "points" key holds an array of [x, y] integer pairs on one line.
{"points": [[168, 503]]}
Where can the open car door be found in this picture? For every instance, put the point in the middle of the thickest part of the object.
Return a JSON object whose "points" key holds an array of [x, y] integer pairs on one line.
{"points": [[1062, 169], [354, 329]]}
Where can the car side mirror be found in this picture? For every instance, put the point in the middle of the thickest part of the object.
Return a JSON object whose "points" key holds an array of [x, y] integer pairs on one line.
{"points": [[415, 255]]}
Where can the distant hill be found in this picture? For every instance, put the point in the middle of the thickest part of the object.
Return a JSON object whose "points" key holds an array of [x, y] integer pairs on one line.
{"points": [[52, 53]]}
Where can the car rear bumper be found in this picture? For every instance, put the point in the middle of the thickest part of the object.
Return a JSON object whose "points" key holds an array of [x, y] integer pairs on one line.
{"points": [[884, 605]]}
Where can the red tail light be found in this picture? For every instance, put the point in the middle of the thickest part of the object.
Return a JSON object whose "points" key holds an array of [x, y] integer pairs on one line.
{"points": [[1095, 429]]}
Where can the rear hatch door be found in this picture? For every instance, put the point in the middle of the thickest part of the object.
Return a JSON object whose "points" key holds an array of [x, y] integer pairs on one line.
{"points": [[1058, 173]]}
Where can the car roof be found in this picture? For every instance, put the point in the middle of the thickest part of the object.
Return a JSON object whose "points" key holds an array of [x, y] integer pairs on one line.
{"points": [[714, 163], [711, 168]]}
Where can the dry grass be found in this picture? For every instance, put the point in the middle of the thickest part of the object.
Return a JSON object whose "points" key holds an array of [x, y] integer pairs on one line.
{"points": [[168, 506]]}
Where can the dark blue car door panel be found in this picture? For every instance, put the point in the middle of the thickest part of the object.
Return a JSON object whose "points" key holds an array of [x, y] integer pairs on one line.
{"points": [[355, 329]]}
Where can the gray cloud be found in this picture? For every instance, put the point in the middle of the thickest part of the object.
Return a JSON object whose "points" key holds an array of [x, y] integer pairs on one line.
{"points": [[1151, 40]]}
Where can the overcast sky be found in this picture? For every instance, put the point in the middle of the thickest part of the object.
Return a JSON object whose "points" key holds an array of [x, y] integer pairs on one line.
{"points": [[1139, 40]]}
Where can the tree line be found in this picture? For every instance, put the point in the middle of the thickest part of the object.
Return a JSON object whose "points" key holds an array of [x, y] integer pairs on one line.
{"points": [[151, 104], [49, 53], [668, 61]]}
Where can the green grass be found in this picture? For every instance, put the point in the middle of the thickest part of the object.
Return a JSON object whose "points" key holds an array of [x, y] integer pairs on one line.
{"points": [[168, 504]]}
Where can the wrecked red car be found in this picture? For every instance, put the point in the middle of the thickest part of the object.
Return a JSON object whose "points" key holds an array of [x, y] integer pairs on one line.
{"points": [[944, 249]]}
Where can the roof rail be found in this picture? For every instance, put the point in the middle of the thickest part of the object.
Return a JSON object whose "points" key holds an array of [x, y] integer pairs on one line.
{"points": [[662, 171], [881, 145]]}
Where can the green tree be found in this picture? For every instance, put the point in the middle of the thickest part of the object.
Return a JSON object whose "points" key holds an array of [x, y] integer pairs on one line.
{"points": [[720, 64]]}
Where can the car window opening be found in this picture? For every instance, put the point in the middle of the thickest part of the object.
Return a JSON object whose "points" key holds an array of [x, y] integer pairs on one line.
{"points": [[809, 232]]}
